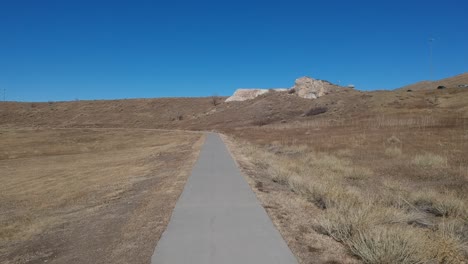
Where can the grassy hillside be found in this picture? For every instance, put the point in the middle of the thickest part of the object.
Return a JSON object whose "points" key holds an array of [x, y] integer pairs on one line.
{"points": [[451, 82], [142, 113], [273, 108]]}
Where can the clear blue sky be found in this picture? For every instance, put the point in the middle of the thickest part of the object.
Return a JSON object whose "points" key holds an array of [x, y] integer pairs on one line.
{"points": [[69, 49]]}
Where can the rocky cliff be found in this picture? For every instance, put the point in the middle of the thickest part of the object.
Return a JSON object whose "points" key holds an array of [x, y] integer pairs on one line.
{"points": [[311, 88]]}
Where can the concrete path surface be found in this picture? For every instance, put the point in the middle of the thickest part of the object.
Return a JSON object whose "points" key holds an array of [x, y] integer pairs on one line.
{"points": [[218, 218]]}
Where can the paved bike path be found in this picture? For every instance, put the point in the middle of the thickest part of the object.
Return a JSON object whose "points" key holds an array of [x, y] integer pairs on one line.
{"points": [[218, 218]]}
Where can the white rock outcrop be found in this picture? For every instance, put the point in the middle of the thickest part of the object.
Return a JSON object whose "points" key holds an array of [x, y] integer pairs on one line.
{"points": [[247, 94], [310, 88], [304, 87]]}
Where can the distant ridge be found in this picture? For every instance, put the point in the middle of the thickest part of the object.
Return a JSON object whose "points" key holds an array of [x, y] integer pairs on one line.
{"points": [[450, 82]]}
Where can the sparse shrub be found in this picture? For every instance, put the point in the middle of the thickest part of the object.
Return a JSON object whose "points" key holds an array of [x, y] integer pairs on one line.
{"points": [[336, 225], [456, 229], [259, 186], [439, 204], [215, 100], [352, 212], [355, 173], [316, 111], [291, 91], [430, 160], [393, 140], [279, 174], [297, 184], [393, 151], [332, 196], [260, 122], [330, 164], [344, 153], [449, 244], [178, 116], [379, 234], [386, 245], [385, 223], [51, 105]]}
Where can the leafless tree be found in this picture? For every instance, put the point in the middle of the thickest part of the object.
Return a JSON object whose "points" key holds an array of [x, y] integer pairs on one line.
{"points": [[215, 99]]}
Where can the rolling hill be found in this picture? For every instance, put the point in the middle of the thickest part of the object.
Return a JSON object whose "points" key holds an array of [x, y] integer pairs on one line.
{"points": [[272, 108], [451, 82]]}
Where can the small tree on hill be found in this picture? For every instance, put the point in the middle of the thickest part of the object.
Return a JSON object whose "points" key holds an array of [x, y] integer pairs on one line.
{"points": [[215, 100]]}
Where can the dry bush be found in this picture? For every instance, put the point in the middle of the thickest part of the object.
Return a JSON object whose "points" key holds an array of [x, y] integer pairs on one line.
{"points": [[456, 229], [344, 153], [440, 204], [381, 235], [356, 173], [349, 216], [393, 152], [386, 245], [430, 160], [177, 117], [260, 122], [279, 174], [449, 243], [316, 111], [419, 122], [324, 194], [393, 140], [340, 225], [215, 100], [386, 222], [404, 244]]}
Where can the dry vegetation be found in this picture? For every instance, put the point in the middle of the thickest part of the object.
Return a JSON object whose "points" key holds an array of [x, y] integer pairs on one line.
{"points": [[350, 177], [89, 196], [393, 193], [451, 82]]}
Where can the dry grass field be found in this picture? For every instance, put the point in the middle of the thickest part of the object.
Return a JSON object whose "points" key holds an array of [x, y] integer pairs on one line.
{"points": [[89, 195], [382, 191], [161, 113], [351, 177]]}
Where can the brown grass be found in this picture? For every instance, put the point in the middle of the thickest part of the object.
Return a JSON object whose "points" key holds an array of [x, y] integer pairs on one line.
{"points": [[430, 160], [392, 153], [88, 196], [385, 194]]}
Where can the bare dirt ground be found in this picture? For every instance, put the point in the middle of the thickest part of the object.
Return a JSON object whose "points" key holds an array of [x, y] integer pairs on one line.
{"points": [[89, 196]]}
